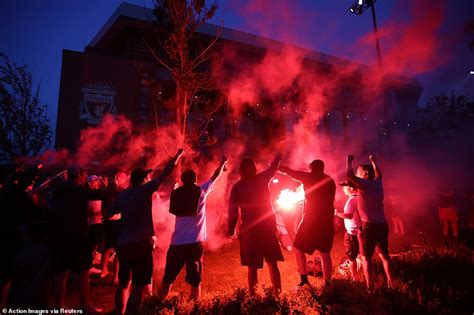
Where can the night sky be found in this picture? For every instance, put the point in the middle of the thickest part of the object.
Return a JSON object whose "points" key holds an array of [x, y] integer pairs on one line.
{"points": [[34, 32]]}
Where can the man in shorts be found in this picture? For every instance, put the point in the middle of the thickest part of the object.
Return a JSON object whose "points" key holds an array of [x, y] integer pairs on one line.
{"points": [[135, 242], [258, 239], [316, 229], [352, 224], [374, 229], [188, 203]]}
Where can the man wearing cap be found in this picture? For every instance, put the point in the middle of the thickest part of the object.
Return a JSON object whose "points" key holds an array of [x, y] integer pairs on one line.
{"points": [[135, 243], [316, 229], [352, 223], [188, 204], [374, 229], [69, 235]]}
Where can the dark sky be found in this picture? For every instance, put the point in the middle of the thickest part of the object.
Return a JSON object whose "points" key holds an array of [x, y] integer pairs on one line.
{"points": [[34, 32]]}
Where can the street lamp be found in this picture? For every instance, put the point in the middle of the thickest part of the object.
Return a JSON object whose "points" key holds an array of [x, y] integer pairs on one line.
{"points": [[359, 7]]}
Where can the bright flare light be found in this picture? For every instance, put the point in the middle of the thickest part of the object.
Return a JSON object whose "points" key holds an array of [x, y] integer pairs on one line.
{"points": [[288, 199]]}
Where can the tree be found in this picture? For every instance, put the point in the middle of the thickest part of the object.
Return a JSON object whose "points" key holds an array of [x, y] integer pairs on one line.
{"points": [[24, 126], [186, 56], [444, 114]]}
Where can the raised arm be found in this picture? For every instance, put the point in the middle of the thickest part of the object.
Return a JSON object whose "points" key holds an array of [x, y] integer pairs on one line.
{"points": [[153, 184], [270, 172], [233, 213], [378, 172], [296, 175], [351, 177], [219, 169]]}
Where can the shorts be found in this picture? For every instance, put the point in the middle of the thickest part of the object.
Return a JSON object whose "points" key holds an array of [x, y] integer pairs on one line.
{"points": [[371, 236], [190, 255], [257, 245], [75, 256], [95, 233], [310, 237], [111, 233], [449, 214], [351, 246], [135, 260]]}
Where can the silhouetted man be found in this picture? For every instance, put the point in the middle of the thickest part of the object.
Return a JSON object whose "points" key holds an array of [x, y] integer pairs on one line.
{"points": [[135, 241], [188, 204], [258, 240], [374, 230], [316, 229]]}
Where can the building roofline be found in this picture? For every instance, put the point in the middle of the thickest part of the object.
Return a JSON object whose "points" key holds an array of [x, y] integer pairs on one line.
{"points": [[145, 14]]}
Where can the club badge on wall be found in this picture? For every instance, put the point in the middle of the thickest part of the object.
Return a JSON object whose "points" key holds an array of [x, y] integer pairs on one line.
{"points": [[97, 101]]}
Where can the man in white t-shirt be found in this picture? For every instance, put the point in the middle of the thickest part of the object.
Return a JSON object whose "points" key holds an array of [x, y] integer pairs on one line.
{"points": [[188, 203], [352, 223]]}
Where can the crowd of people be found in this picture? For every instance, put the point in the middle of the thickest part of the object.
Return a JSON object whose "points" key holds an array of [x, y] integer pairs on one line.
{"points": [[87, 214]]}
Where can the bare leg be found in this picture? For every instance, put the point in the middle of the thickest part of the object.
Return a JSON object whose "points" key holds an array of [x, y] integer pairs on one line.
{"points": [[395, 226], [135, 299], [5, 286], [149, 289], [104, 262], [445, 225], [275, 276], [84, 289], [252, 279], [402, 227], [455, 227], [368, 271], [327, 266], [300, 261], [116, 270], [353, 268], [387, 267], [60, 288], [195, 292], [164, 290], [121, 297]]}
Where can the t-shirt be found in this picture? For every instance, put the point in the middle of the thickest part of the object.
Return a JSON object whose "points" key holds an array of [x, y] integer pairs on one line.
{"points": [[252, 196], [352, 225], [192, 229], [135, 206], [320, 190], [68, 216], [370, 199], [94, 212]]}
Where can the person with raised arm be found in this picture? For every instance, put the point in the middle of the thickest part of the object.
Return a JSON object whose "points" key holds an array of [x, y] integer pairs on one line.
{"points": [[258, 239], [374, 229], [188, 204], [136, 238], [316, 229]]}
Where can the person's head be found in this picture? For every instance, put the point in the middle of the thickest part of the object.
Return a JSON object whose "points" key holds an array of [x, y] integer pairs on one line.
{"points": [[348, 189], [122, 179], [365, 171], [247, 167], [93, 181], [188, 177], [77, 175], [104, 181], [139, 176], [317, 167]]}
